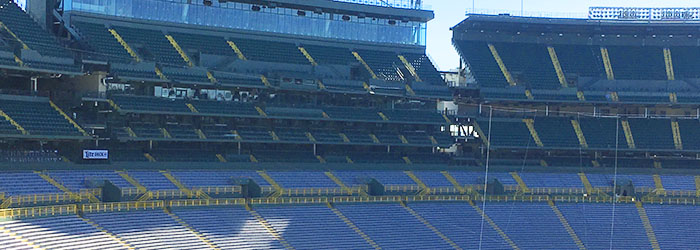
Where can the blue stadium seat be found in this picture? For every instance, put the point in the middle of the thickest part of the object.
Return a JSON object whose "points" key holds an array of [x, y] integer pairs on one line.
{"points": [[670, 231], [302, 179], [392, 227], [462, 224], [148, 229], [152, 180], [230, 228], [61, 232], [76, 180], [592, 224], [312, 227], [525, 223], [216, 178], [25, 183]]}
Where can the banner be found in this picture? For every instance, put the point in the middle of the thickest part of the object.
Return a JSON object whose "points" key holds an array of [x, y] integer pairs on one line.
{"points": [[95, 154]]}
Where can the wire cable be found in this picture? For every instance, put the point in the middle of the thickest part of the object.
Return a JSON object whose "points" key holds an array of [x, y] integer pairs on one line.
{"points": [[486, 179], [614, 199]]}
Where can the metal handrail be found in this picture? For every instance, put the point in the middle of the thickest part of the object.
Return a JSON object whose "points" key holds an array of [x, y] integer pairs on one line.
{"points": [[402, 188], [121, 206], [321, 191], [219, 189], [206, 202], [15, 213], [46, 198]]}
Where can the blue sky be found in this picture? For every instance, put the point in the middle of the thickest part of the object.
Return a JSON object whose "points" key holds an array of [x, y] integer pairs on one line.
{"points": [[450, 12]]}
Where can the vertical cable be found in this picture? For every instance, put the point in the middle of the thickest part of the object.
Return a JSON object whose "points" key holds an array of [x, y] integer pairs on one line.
{"points": [[614, 199], [486, 178]]}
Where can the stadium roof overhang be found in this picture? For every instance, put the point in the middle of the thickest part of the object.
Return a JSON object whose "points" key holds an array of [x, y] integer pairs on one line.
{"points": [[349, 9]]}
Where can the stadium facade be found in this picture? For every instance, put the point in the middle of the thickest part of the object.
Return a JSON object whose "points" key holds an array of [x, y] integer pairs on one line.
{"points": [[319, 124]]}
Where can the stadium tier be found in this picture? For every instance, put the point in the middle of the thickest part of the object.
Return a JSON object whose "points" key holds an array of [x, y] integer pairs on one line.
{"points": [[551, 60], [179, 183], [596, 133], [206, 209]]}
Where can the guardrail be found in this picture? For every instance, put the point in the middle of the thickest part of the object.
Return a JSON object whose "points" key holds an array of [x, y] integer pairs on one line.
{"points": [[596, 190], [131, 191], [267, 189], [671, 200], [97, 192], [666, 192], [444, 190], [205, 203], [121, 206], [402, 188], [159, 194], [587, 199], [20, 200], [322, 191], [219, 190], [555, 190], [510, 198], [170, 194], [16, 213], [357, 199]]}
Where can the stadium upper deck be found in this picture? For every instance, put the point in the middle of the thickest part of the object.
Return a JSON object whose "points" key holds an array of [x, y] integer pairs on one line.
{"points": [[581, 60]]}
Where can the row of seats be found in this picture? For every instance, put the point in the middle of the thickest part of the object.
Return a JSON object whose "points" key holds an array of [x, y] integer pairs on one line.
{"points": [[530, 65], [584, 160], [156, 45], [600, 133], [37, 118], [239, 109], [148, 230], [593, 96], [43, 51], [289, 135], [152, 45], [196, 156], [76, 181], [425, 225], [31, 156]]}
